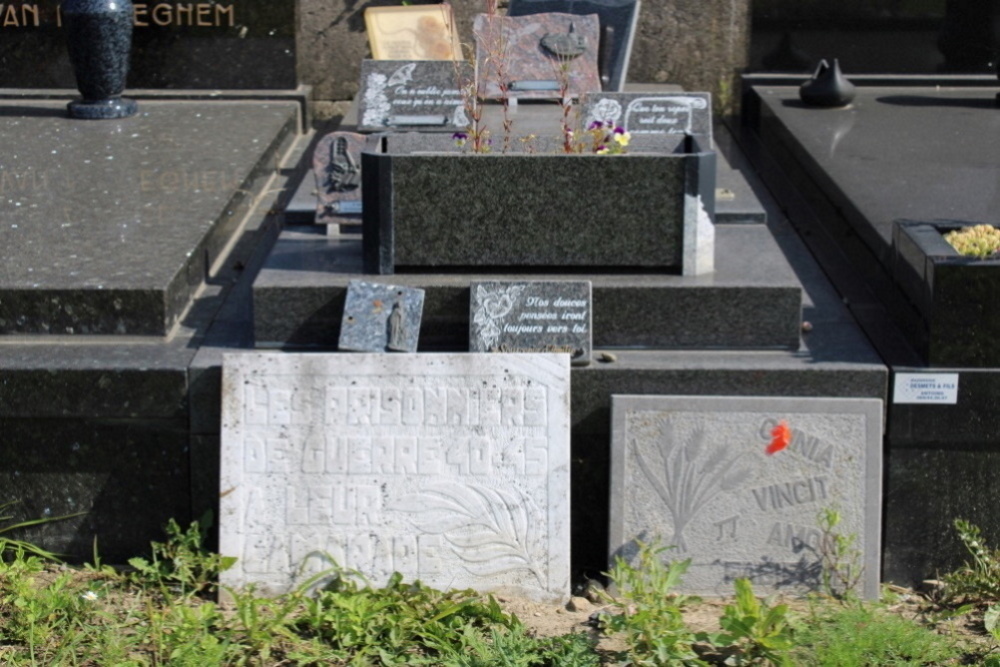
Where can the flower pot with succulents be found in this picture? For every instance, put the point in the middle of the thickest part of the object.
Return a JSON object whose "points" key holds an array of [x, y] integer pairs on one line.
{"points": [[953, 293]]}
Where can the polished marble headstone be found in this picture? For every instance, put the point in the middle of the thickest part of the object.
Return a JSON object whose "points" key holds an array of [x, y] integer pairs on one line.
{"points": [[423, 95], [655, 121], [531, 316], [228, 44], [712, 477], [381, 318], [540, 56], [448, 468], [618, 22]]}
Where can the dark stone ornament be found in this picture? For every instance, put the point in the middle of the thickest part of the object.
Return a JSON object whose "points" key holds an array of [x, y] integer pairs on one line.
{"points": [[567, 45], [827, 88], [99, 39]]}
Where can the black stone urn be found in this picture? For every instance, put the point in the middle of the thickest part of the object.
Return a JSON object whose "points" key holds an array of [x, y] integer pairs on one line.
{"points": [[828, 87], [99, 38]]}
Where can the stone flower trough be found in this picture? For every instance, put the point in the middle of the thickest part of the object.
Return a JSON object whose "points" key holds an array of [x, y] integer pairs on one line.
{"points": [[955, 295], [428, 206]]}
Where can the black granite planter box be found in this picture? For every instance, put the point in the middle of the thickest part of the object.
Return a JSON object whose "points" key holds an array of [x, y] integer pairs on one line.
{"points": [[461, 211], [956, 296]]}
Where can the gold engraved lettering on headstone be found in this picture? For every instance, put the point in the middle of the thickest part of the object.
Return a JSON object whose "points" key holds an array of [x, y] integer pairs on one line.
{"points": [[140, 18], [185, 13], [16, 182], [225, 11], [161, 14], [202, 14], [28, 15]]}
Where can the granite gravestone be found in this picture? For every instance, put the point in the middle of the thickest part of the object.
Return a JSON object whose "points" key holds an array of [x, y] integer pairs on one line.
{"points": [[656, 122], [448, 468], [381, 318], [337, 169], [416, 94], [618, 22], [717, 478], [234, 44], [542, 56], [536, 316]]}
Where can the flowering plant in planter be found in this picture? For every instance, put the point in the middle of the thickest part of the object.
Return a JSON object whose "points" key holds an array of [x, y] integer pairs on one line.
{"points": [[977, 241]]}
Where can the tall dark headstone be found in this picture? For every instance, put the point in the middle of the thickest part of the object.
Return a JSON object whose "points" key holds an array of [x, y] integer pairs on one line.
{"points": [[176, 44], [618, 20]]}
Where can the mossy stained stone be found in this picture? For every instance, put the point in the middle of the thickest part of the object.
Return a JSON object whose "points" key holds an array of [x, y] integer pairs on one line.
{"points": [[736, 485], [389, 463]]}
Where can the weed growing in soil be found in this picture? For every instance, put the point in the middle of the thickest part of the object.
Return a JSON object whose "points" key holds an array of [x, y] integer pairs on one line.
{"points": [[160, 614]]}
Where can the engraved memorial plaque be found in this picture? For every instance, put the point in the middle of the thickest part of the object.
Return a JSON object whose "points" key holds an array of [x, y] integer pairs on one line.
{"points": [[656, 122], [414, 32], [617, 20], [738, 484], [423, 95], [535, 316], [448, 468], [540, 56], [337, 168], [381, 318]]}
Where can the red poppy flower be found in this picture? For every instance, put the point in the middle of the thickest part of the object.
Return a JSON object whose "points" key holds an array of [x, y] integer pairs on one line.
{"points": [[781, 435]]}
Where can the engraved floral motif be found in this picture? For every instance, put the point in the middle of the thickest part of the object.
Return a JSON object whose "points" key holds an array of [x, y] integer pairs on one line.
{"points": [[376, 103], [491, 531], [491, 307], [692, 475]]}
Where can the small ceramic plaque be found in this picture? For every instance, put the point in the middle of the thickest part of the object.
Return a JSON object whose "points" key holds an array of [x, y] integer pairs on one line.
{"points": [[381, 318], [415, 32]]}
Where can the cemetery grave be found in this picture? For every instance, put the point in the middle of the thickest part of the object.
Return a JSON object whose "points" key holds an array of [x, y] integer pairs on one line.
{"points": [[186, 308], [925, 308]]}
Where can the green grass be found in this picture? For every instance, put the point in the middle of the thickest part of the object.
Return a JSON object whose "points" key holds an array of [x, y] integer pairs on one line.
{"points": [[162, 611], [856, 635]]}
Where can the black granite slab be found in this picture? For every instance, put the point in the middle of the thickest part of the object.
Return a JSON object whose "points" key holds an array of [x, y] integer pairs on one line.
{"points": [[453, 211], [936, 142], [752, 300], [227, 44], [109, 228], [128, 479], [840, 159], [617, 20]]}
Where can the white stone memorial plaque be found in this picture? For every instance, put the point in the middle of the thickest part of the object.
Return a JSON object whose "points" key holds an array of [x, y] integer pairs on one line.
{"points": [[738, 484], [448, 468]]}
